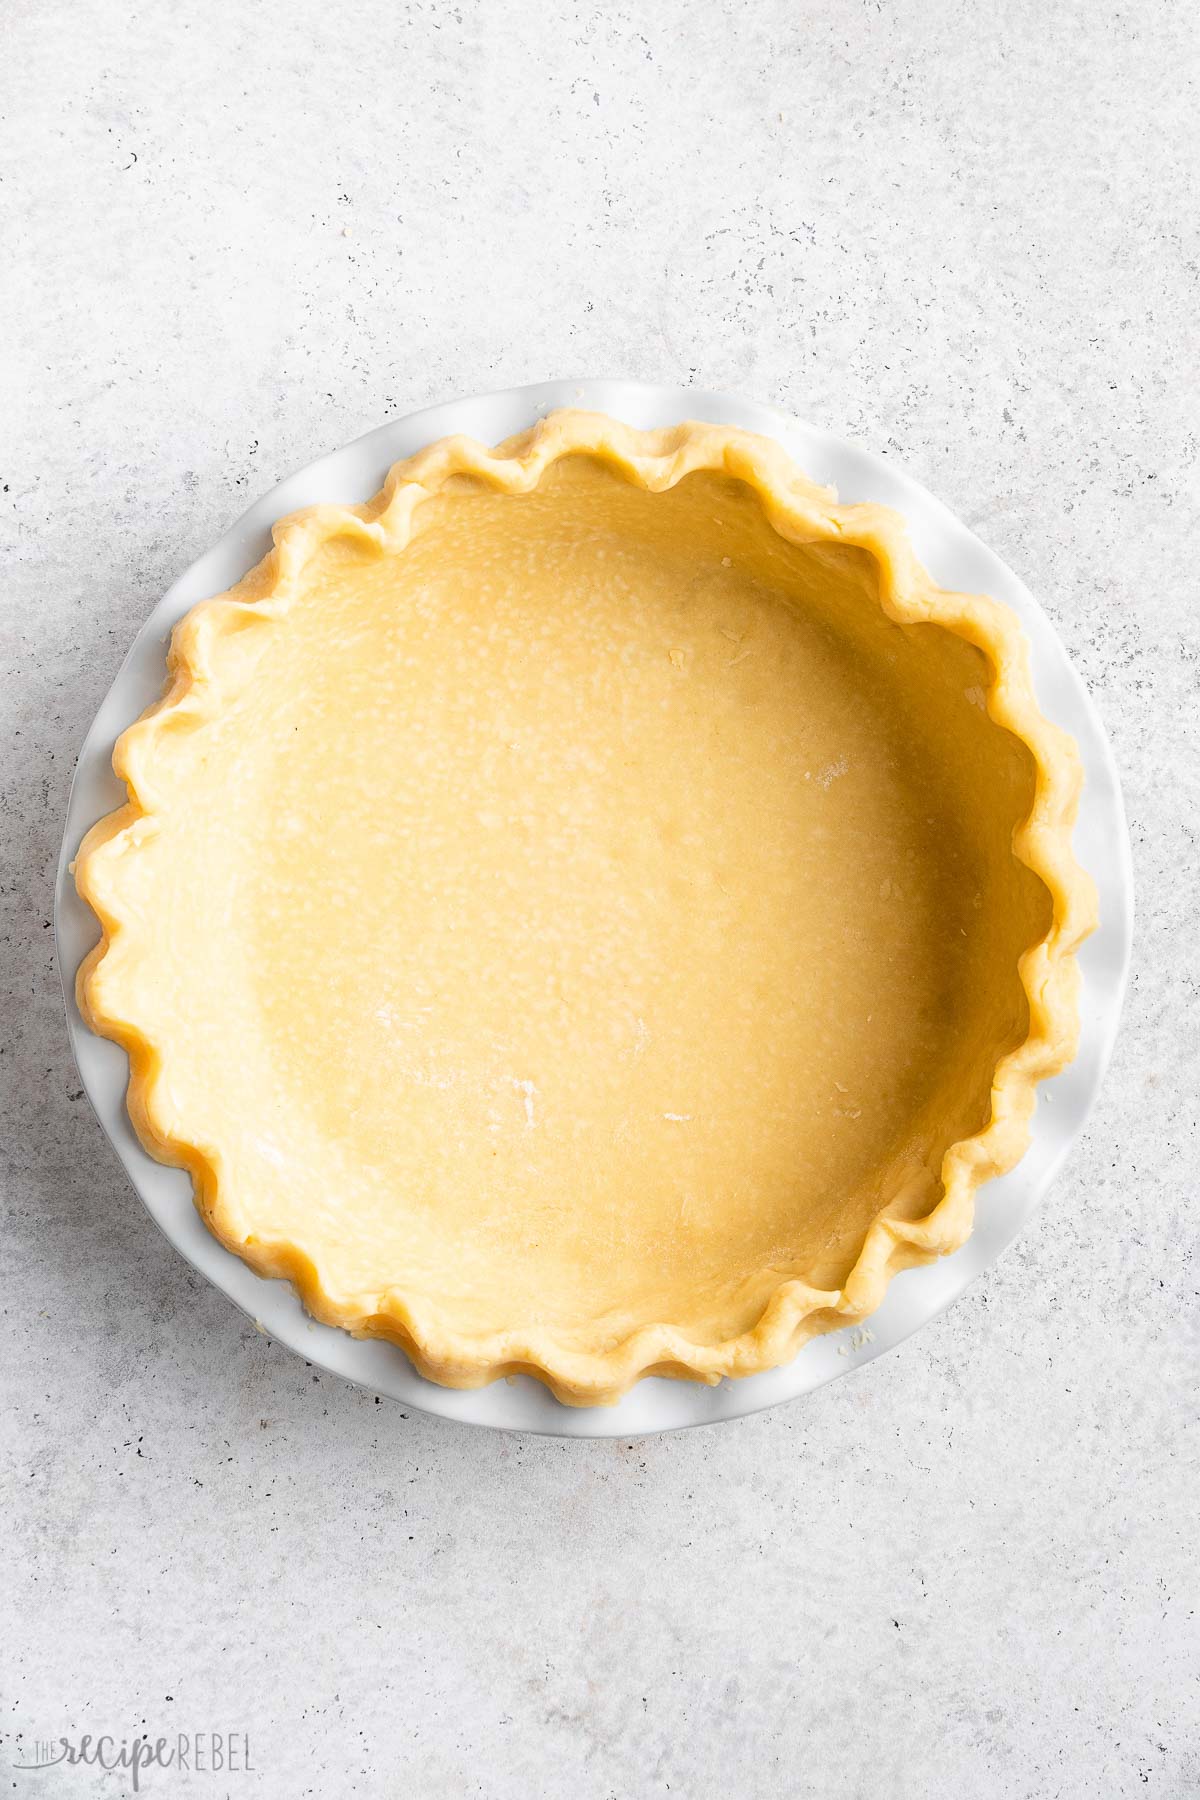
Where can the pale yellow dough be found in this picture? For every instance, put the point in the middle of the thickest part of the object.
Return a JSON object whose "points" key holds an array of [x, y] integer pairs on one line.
{"points": [[596, 908]]}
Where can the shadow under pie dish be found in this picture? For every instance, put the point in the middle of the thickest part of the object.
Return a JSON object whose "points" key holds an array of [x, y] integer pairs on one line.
{"points": [[596, 909]]}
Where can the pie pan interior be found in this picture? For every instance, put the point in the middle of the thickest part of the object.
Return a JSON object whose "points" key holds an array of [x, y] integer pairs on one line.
{"points": [[596, 909]]}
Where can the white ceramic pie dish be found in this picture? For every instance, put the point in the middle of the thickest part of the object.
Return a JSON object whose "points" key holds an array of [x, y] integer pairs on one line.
{"points": [[956, 559]]}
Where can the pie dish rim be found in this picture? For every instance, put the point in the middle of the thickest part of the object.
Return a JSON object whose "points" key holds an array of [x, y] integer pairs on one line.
{"points": [[938, 1239]]}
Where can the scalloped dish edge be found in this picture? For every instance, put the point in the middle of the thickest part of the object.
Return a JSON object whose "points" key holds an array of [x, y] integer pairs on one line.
{"points": [[801, 512]]}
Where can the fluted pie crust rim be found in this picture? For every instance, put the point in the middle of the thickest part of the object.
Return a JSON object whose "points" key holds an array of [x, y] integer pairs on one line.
{"points": [[798, 511]]}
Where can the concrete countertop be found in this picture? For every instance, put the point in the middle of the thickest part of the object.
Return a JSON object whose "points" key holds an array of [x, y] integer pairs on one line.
{"points": [[966, 236]]}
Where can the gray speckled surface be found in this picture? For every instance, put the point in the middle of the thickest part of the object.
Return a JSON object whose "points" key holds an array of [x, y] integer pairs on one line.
{"points": [[966, 235]]}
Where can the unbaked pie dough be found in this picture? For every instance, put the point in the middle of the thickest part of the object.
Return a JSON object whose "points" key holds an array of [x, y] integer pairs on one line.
{"points": [[596, 909]]}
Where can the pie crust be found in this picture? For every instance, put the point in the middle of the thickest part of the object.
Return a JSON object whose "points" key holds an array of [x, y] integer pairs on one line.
{"points": [[597, 909]]}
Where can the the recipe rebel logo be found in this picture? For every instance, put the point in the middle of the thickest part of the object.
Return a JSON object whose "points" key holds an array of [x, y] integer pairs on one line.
{"points": [[187, 1752]]}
